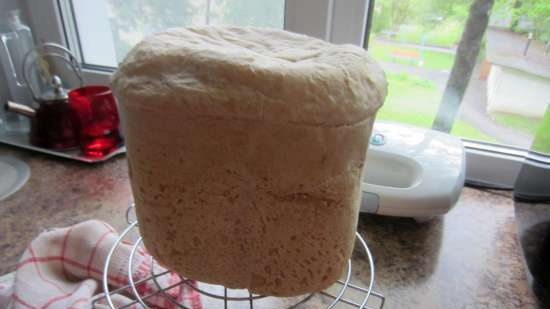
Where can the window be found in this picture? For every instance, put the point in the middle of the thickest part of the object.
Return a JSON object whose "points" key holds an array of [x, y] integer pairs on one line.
{"points": [[122, 24], [117, 24], [499, 106], [415, 40]]}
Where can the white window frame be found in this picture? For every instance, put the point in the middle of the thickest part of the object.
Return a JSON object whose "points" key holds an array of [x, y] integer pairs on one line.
{"points": [[338, 21]]}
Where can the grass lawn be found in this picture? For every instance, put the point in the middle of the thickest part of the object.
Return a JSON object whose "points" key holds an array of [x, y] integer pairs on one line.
{"points": [[431, 59], [414, 101], [538, 128], [541, 142], [435, 37], [463, 129], [520, 123]]}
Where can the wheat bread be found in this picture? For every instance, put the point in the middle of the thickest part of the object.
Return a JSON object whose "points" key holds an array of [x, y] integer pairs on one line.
{"points": [[245, 150]]}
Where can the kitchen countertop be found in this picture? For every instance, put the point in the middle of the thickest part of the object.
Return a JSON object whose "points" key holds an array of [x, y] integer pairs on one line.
{"points": [[469, 258]]}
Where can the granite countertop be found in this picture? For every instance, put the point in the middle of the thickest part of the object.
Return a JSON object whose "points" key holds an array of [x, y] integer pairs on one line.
{"points": [[469, 258]]}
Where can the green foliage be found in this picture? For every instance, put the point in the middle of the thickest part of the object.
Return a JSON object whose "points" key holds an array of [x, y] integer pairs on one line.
{"points": [[390, 14], [537, 11], [430, 22], [502, 9]]}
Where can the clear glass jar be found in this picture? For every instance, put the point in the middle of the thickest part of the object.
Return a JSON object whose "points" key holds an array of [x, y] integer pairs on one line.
{"points": [[16, 41]]}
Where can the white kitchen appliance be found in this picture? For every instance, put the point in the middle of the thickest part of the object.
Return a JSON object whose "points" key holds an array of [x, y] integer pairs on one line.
{"points": [[412, 172]]}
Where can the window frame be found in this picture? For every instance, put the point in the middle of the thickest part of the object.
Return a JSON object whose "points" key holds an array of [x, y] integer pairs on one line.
{"points": [[489, 164]]}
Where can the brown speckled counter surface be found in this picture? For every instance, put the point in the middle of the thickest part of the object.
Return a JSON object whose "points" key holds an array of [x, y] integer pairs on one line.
{"points": [[468, 259]]}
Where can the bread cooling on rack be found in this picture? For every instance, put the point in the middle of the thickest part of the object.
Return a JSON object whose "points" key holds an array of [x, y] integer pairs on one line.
{"points": [[245, 151]]}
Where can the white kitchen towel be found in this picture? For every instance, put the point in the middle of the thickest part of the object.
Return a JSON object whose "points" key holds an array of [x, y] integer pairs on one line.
{"points": [[62, 268]]}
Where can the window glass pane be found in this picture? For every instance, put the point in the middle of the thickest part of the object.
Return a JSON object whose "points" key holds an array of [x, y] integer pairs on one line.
{"points": [[262, 13], [508, 88], [121, 23]]}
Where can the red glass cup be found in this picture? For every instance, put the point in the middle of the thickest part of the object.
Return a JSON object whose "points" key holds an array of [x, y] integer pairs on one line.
{"points": [[97, 119]]}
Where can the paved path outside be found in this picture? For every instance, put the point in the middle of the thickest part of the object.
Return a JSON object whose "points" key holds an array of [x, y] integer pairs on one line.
{"points": [[507, 48]]}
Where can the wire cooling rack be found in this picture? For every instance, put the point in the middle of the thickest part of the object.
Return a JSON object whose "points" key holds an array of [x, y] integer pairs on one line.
{"points": [[342, 294]]}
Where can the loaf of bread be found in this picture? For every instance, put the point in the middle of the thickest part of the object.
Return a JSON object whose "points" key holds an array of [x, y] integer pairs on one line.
{"points": [[245, 151]]}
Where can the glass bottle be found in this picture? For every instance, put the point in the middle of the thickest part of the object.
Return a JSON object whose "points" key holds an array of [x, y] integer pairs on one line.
{"points": [[15, 42]]}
